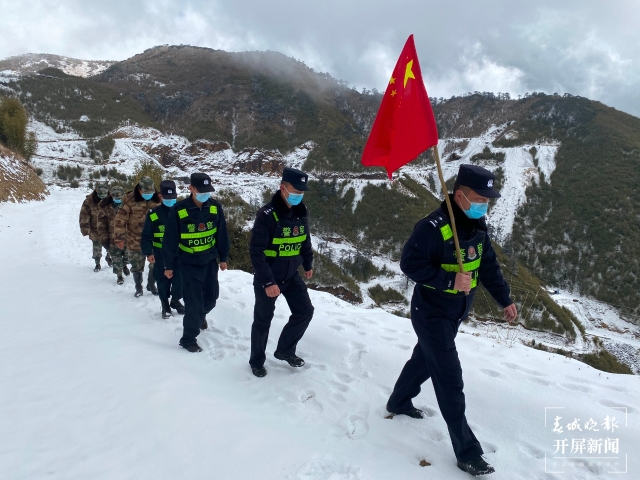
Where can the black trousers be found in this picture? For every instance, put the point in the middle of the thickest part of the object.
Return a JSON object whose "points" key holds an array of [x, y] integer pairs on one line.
{"points": [[167, 287], [295, 292], [201, 290], [435, 356]]}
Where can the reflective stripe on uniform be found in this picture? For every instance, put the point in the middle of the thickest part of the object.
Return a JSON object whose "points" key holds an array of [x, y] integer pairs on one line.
{"points": [[446, 232], [213, 209], [298, 239], [468, 266], [157, 245], [153, 217], [196, 249], [182, 213]]}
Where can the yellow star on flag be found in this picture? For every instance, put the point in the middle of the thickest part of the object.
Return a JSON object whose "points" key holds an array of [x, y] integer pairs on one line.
{"points": [[408, 73], [393, 80], [393, 93]]}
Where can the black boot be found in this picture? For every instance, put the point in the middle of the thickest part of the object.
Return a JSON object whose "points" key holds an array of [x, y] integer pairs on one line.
{"points": [[292, 360], [98, 267], [166, 310], [412, 412], [151, 286], [204, 325], [120, 280], [125, 270], [109, 260], [476, 466], [137, 278], [259, 372], [177, 306]]}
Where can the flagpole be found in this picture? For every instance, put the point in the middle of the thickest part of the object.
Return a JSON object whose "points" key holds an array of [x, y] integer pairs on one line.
{"points": [[436, 154]]}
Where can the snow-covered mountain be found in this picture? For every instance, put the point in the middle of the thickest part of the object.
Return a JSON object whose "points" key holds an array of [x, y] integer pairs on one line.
{"points": [[94, 385], [34, 62]]}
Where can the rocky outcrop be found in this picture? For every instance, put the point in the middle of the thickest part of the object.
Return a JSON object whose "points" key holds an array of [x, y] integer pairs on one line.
{"points": [[18, 181]]}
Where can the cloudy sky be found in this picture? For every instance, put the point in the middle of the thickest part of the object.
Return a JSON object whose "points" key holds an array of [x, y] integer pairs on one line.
{"points": [[584, 47]]}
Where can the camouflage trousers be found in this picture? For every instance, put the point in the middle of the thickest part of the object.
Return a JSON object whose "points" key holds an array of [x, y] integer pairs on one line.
{"points": [[137, 260], [119, 258], [97, 250]]}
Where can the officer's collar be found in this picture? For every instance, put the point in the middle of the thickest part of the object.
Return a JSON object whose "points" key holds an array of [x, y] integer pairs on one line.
{"points": [[463, 222], [95, 197], [282, 208], [192, 203]]}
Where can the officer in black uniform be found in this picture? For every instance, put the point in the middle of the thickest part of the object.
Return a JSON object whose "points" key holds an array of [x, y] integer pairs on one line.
{"points": [[439, 305], [280, 242], [151, 244], [196, 235]]}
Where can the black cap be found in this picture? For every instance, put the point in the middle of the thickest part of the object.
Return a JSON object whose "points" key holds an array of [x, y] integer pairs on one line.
{"points": [[478, 179], [298, 179], [168, 189], [201, 182]]}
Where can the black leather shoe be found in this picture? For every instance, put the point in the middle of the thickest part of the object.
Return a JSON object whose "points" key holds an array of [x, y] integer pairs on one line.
{"points": [[98, 267], [259, 372], [412, 412], [292, 360], [476, 466], [192, 348]]}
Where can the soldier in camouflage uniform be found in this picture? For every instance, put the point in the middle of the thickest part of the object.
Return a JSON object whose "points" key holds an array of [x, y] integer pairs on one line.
{"points": [[106, 230], [89, 213], [128, 229]]}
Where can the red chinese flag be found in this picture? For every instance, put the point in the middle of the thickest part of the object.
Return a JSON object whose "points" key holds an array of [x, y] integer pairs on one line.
{"points": [[405, 126]]}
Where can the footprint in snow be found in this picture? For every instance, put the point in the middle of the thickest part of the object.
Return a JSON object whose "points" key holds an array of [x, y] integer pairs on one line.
{"points": [[491, 373]]}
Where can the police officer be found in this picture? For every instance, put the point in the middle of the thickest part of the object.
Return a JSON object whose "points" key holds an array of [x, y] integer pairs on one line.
{"points": [[152, 237], [196, 235], [439, 305], [89, 218], [280, 242]]}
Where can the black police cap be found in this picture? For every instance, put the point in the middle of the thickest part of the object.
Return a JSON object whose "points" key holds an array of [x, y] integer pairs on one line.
{"points": [[201, 182], [297, 178], [168, 189], [478, 179]]}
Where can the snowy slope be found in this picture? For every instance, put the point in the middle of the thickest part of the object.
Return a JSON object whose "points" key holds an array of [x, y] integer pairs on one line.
{"points": [[519, 172], [34, 62], [94, 385]]}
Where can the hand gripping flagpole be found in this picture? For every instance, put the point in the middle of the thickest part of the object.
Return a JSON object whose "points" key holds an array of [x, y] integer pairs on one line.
{"points": [[436, 154]]}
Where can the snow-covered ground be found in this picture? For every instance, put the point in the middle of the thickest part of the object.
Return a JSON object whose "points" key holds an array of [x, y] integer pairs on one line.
{"points": [[94, 385]]}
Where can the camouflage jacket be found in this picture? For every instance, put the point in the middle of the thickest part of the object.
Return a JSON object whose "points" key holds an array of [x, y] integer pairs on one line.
{"points": [[130, 218], [107, 220], [89, 213]]}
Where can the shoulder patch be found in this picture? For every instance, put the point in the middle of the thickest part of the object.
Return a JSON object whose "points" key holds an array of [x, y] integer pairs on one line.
{"points": [[267, 211]]}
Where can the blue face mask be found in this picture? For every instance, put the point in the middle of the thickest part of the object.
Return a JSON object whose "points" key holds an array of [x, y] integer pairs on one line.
{"points": [[476, 210], [203, 197], [169, 202], [117, 201], [147, 196], [294, 198]]}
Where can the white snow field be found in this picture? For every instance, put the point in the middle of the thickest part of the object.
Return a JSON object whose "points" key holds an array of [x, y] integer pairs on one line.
{"points": [[93, 385]]}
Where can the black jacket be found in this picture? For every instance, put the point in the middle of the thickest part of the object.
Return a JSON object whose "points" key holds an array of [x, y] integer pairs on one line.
{"points": [[269, 271], [171, 253], [422, 257]]}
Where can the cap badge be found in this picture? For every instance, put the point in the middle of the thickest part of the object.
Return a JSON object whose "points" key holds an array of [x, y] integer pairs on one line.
{"points": [[206, 182], [169, 191], [490, 184], [303, 179]]}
